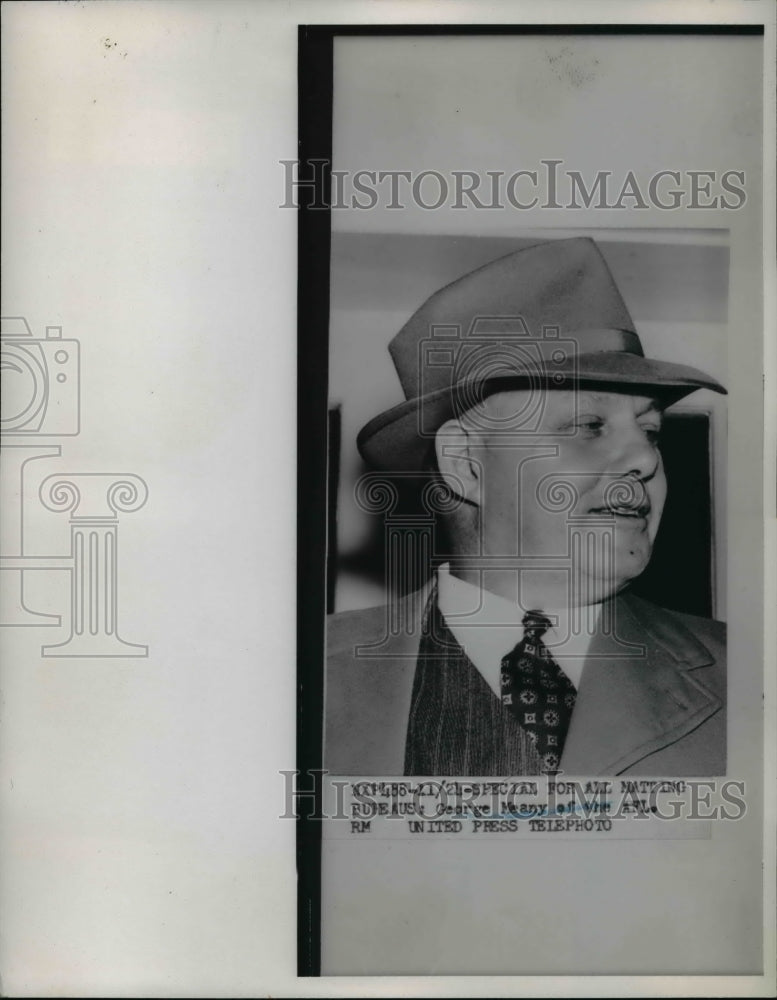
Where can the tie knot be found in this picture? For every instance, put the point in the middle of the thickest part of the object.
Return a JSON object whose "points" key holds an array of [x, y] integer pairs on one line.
{"points": [[536, 624]]}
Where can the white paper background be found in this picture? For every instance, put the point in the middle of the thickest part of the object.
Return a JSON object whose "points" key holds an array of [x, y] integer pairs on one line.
{"points": [[141, 850]]}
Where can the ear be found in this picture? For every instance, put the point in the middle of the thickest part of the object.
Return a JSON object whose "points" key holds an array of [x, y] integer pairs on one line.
{"points": [[458, 468]]}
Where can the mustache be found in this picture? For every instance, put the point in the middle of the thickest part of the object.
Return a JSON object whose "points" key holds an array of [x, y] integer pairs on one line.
{"points": [[624, 496], [618, 494]]}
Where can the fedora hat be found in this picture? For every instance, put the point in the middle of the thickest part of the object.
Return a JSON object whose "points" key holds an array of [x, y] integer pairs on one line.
{"points": [[549, 316]]}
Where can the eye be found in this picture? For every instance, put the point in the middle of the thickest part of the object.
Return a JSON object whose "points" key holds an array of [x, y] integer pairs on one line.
{"points": [[652, 432], [590, 426]]}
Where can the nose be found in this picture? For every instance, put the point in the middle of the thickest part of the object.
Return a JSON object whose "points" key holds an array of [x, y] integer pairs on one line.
{"points": [[635, 454]]}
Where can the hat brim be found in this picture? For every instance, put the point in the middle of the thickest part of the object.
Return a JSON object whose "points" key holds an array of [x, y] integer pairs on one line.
{"points": [[399, 439]]}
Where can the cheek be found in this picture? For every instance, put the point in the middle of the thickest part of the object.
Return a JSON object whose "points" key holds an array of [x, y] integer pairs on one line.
{"points": [[581, 466], [589, 489], [657, 492], [499, 489]]}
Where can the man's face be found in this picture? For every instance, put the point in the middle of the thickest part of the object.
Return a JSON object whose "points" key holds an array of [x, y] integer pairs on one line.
{"points": [[579, 501]]}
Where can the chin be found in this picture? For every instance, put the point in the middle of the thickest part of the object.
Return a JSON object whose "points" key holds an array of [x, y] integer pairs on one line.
{"points": [[599, 589], [632, 554], [628, 575]]}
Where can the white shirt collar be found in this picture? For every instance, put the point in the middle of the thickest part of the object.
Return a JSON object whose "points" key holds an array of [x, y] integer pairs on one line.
{"points": [[488, 626]]}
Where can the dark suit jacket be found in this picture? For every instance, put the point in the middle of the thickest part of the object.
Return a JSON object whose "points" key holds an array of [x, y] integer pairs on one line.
{"points": [[661, 713]]}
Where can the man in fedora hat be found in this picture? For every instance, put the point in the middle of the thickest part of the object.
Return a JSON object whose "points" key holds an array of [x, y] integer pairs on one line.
{"points": [[530, 401]]}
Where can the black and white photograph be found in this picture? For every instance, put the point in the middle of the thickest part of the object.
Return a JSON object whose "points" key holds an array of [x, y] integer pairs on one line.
{"points": [[544, 274], [543, 463]]}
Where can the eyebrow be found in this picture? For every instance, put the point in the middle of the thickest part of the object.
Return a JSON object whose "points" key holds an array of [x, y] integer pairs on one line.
{"points": [[652, 404], [589, 395]]}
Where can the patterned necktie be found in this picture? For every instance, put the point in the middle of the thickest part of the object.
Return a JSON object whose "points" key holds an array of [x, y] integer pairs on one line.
{"points": [[537, 691]]}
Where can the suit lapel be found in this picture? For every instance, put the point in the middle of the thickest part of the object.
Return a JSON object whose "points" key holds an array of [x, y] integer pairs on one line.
{"points": [[636, 692], [369, 692], [640, 691]]}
